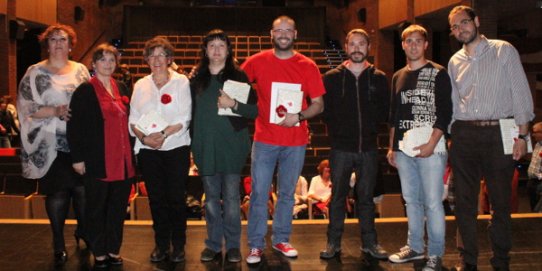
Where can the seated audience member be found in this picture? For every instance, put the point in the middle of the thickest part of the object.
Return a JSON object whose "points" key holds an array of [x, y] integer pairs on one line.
{"points": [[247, 187], [300, 197], [7, 125], [534, 185], [320, 188]]}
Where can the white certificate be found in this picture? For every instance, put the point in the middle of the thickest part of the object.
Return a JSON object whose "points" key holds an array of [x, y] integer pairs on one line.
{"points": [[150, 123], [419, 136], [509, 133], [236, 90], [284, 97]]}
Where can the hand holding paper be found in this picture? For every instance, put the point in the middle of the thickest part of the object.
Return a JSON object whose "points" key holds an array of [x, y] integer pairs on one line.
{"points": [[150, 123], [235, 90]]}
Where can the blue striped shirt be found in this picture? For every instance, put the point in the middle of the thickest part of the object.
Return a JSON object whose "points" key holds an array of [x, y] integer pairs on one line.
{"points": [[491, 84]]}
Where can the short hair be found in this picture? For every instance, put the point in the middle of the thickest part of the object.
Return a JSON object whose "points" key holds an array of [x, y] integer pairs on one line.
{"points": [[283, 18], [358, 31], [414, 28], [323, 164], [104, 48], [470, 11], [156, 42], [44, 37]]}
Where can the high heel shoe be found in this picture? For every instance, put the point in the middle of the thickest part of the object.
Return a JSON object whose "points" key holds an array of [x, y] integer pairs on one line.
{"points": [[60, 258]]}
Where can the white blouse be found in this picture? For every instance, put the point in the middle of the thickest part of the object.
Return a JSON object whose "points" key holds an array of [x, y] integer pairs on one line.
{"points": [[147, 97]]}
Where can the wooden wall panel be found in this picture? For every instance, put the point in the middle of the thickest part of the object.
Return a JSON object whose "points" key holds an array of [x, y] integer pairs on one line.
{"points": [[392, 12], [3, 6], [43, 11], [422, 7]]}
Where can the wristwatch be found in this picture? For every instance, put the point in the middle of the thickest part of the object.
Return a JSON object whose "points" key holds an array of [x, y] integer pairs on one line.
{"points": [[524, 137], [163, 134], [301, 117]]}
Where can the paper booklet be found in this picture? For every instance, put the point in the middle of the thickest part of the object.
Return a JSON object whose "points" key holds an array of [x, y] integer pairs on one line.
{"points": [[419, 136], [284, 97], [236, 90], [509, 132], [150, 123]]}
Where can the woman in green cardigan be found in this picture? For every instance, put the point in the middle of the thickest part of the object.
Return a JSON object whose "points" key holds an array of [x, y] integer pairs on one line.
{"points": [[220, 143]]}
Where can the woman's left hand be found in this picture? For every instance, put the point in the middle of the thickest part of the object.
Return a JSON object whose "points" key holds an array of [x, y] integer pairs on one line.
{"points": [[155, 140], [224, 100]]}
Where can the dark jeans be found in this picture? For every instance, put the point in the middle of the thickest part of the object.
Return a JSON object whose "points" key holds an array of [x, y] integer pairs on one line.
{"points": [[477, 152], [165, 174], [106, 210], [342, 165]]}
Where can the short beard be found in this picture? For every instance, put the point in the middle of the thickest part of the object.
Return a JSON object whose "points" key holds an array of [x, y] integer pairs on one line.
{"points": [[276, 45], [357, 61], [472, 38]]}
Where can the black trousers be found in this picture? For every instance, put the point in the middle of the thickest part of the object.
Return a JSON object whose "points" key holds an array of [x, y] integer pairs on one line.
{"points": [[477, 152], [105, 214], [165, 174], [365, 165]]}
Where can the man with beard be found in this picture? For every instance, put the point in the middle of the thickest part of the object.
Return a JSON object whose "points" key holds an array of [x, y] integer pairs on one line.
{"points": [[357, 100], [421, 108], [282, 144], [488, 84]]}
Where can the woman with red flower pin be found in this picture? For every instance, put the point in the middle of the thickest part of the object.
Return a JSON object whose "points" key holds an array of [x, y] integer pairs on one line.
{"points": [[164, 156], [101, 152]]}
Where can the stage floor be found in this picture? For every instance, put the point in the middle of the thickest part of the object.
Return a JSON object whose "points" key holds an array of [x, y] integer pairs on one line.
{"points": [[26, 245]]}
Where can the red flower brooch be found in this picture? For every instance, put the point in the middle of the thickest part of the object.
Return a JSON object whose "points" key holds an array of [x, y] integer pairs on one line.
{"points": [[165, 99], [125, 99], [281, 110]]}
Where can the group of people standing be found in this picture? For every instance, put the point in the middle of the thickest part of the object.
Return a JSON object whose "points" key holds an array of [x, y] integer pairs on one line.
{"points": [[484, 83], [76, 136]]}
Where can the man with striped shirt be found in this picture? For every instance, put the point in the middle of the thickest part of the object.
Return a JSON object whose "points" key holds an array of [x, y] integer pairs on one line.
{"points": [[488, 84]]}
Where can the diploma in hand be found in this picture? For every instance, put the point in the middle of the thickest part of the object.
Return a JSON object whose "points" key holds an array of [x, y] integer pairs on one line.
{"points": [[285, 97], [150, 123]]}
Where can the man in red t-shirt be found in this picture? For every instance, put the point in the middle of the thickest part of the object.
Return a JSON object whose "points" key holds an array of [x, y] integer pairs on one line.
{"points": [[279, 142]]}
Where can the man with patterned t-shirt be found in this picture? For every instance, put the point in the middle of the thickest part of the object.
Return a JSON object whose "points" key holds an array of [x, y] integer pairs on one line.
{"points": [[281, 144], [421, 111]]}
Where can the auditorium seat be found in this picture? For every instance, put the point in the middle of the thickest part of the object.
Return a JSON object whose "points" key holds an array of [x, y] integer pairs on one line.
{"points": [[392, 206], [142, 209]]}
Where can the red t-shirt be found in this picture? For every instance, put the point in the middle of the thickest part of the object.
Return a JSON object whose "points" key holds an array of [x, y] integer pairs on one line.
{"points": [[265, 68], [118, 157]]}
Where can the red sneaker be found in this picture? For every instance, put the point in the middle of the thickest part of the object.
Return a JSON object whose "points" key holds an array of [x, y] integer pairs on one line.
{"points": [[286, 249], [255, 255]]}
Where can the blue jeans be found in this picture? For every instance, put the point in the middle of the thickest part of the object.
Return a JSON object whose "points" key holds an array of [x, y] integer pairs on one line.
{"points": [[422, 186], [223, 218], [290, 162], [342, 165]]}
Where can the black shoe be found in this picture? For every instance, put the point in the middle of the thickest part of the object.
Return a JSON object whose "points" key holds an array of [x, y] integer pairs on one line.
{"points": [[233, 255], [331, 251], [177, 256], [61, 257], [376, 251], [208, 255], [115, 260], [100, 263], [158, 255]]}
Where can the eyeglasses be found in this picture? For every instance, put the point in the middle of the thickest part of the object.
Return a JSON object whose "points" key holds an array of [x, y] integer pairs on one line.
{"points": [[287, 31], [160, 55], [463, 22]]}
